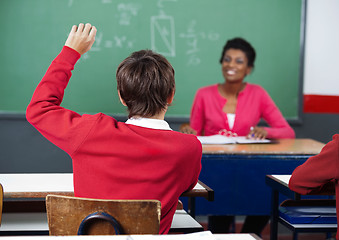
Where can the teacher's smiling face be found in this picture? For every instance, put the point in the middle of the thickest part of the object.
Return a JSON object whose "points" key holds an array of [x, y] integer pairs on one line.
{"points": [[235, 65]]}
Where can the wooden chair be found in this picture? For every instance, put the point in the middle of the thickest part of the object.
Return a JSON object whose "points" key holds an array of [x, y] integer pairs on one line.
{"points": [[309, 215], [77, 216], [1, 201]]}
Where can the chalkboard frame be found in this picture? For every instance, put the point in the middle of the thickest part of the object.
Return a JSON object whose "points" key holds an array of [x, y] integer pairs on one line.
{"points": [[177, 119]]}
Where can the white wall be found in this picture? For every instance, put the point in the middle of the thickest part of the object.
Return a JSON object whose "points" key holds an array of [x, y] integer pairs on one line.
{"points": [[321, 72]]}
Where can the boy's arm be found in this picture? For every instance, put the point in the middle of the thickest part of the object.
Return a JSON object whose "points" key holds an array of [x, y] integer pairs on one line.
{"points": [[318, 172], [44, 111]]}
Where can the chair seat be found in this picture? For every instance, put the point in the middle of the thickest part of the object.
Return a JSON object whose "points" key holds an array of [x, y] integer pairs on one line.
{"points": [[309, 214]]}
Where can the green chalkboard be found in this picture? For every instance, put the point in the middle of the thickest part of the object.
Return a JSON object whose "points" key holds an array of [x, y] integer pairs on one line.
{"points": [[190, 33]]}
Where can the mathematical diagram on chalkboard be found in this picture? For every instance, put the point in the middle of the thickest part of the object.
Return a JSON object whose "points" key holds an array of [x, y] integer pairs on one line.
{"points": [[163, 35]]}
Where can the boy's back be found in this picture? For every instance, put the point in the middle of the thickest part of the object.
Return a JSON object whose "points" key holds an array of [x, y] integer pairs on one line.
{"points": [[136, 163]]}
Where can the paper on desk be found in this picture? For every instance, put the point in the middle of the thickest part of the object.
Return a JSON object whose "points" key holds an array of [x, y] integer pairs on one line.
{"points": [[220, 139], [215, 139], [205, 235], [244, 140], [233, 236]]}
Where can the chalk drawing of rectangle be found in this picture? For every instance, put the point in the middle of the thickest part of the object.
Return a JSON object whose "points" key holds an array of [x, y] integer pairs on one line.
{"points": [[163, 35]]}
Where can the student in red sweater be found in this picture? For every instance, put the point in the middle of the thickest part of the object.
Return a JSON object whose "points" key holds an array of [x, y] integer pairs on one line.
{"points": [[139, 159], [319, 173]]}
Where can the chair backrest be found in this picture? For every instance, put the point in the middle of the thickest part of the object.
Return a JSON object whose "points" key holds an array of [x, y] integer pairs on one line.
{"points": [[65, 214], [1, 201]]}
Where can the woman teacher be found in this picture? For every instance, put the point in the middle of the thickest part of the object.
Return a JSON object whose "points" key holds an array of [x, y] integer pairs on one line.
{"points": [[235, 107]]}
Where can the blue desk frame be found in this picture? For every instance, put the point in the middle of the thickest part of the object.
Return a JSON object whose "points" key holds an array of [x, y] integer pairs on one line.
{"points": [[276, 188]]}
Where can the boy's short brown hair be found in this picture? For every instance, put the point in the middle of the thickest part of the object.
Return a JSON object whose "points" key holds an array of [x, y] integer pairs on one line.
{"points": [[145, 81]]}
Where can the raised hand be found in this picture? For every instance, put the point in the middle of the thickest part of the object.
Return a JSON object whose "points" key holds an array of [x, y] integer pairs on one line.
{"points": [[81, 38]]}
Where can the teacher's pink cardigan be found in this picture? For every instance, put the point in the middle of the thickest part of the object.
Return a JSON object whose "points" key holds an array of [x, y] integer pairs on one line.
{"points": [[254, 103]]}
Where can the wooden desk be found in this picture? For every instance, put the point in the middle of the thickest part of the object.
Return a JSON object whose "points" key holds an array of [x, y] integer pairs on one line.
{"points": [[237, 172], [281, 147], [279, 184], [38, 185]]}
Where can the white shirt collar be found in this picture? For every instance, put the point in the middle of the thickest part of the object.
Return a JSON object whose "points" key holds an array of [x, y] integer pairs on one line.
{"points": [[149, 123]]}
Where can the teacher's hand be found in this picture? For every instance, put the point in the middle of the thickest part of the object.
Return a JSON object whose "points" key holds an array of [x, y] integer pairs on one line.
{"points": [[186, 128], [257, 133]]}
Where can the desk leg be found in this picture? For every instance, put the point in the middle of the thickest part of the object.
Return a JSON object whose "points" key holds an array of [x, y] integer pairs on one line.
{"points": [[191, 206], [274, 215]]}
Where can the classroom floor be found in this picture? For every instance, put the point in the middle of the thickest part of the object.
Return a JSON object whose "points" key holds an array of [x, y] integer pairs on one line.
{"points": [[283, 234]]}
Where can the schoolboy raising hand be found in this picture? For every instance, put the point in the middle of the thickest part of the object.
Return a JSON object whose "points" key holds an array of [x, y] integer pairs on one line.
{"points": [[141, 158]]}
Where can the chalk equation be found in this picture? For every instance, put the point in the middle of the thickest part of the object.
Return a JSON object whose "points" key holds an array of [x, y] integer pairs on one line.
{"points": [[126, 11], [162, 29], [192, 37]]}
